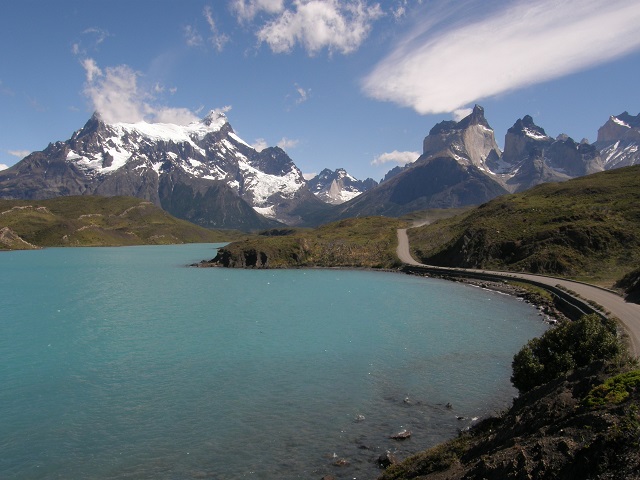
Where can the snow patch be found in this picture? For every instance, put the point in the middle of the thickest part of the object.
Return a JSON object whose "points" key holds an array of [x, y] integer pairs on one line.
{"points": [[268, 212], [620, 122], [535, 135]]}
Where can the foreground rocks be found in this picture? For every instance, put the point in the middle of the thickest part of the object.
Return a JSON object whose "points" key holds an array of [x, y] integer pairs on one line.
{"points": [[556, 431]]}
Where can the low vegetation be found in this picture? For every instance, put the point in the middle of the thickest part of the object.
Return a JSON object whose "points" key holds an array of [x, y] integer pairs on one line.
{"points": [[94, 221], [368, 242], [586, 228]]}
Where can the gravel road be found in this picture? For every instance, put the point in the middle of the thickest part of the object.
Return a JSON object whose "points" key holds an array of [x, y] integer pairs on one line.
{"points": [[627, 313]]}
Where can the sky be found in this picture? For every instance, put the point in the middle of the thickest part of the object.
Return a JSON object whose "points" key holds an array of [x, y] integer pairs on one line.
{"points": [[354, 84]]}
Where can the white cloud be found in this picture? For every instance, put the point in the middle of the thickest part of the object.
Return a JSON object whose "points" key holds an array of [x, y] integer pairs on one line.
{"points": [[19, 153], [217, 39], [91, 69], [287, 143], [93, 36], [3, 166], [461, 113], [260, 144], [115, 93], [303, 94], [316, 24], [192, 36], [99, 34], [308, 176], [396, 157], [248, 9], [436, 70]]}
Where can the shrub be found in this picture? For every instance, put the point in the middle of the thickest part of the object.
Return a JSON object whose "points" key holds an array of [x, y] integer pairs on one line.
{"points": [[561, 349], [615, 390]]}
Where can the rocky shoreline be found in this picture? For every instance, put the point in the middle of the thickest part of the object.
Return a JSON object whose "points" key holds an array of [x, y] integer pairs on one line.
{"points": [[551, 432]]}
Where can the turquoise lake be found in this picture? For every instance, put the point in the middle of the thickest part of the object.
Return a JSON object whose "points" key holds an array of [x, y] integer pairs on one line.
{"points": [[125, 363]]}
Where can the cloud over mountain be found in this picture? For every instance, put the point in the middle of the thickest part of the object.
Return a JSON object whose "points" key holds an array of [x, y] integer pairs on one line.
{"points": [[115, 93]]}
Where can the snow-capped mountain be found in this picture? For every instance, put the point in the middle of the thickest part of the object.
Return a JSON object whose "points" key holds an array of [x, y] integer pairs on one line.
{"points": [[531, 157], [618, 141], [202, 172], [336, 187]]}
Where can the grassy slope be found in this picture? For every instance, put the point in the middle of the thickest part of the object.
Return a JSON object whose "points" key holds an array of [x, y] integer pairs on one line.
{"points": [[586, 228], [357, 242], [95, 221]]}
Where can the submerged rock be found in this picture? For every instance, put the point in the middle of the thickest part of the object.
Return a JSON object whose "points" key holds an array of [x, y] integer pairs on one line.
{"points": [[401, 435]]}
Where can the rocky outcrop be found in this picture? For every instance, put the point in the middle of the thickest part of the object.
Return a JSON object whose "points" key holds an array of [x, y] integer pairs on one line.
{"points": [[12, 241]]}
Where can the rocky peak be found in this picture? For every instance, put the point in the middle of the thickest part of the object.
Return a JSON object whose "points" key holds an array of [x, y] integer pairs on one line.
{"points": [[214, 118], [524, 140], [526, 126], [475, 118], [620, 127], [94, 125], [336, 187], [470, 141], [619, 141]]}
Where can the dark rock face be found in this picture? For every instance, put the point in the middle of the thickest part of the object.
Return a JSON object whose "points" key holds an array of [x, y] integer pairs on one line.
{"points": [[439, 182], [249, 258], [574, 159]]}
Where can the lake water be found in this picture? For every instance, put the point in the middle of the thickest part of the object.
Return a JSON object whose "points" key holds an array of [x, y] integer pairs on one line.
{"points": [[124, 363]]}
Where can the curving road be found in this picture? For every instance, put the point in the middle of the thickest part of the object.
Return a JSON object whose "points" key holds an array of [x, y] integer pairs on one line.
{"points": [[627, 313]]}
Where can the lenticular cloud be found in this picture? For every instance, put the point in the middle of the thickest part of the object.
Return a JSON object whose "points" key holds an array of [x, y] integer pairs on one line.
{"points": [[524, 43]]}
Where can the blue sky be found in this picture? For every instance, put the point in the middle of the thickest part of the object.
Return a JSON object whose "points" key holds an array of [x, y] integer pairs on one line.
{"points": [[353, 83]]}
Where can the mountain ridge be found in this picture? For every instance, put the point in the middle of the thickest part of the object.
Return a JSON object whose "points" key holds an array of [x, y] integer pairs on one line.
{"points": [[205, 173]]}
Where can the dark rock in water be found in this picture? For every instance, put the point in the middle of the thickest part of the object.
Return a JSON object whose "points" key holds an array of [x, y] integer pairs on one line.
{"points": [[387, 459], [401, 435], [328, 477], [341, 462]]}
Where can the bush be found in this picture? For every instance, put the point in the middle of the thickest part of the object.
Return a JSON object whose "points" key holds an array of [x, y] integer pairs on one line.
{"points": [[615, 390], [564, 348]]}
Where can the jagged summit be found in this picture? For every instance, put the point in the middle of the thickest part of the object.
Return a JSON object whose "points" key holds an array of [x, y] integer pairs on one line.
{"points": [[526, 126], [470, 141], [336, 187], [475, 118], [627, 120], [619, 140], [215, 118]]}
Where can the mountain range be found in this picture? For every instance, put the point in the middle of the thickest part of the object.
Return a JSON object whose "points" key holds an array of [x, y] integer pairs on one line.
{"points": [[205, 173]]}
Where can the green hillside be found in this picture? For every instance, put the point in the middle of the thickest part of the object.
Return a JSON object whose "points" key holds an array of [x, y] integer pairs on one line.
{"points": [[356, 242], [94, 221], [587, 228]]}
